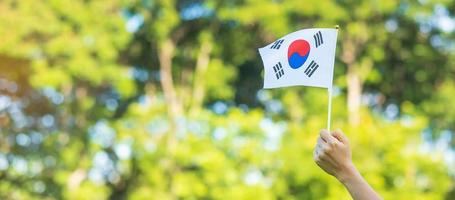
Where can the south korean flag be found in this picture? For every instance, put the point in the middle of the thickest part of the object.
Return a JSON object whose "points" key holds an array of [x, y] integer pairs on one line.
{"points": [[305, 57]]}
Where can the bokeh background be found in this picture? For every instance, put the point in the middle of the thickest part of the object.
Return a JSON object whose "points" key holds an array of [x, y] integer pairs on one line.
{"points": [[162, 99]]}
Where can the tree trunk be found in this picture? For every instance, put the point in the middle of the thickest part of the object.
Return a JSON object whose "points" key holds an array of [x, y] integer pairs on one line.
{"points": [[165, 55], [202, 64], [174, 108], [354, 82]]}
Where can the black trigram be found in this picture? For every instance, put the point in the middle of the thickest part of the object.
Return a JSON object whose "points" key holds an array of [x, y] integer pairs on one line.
{"points": [[318, 39], [279, 72], [277, 44], [311, 68]]}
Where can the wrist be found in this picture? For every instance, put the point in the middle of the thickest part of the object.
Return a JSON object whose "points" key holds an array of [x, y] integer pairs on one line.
{"points": [[348, 174]]}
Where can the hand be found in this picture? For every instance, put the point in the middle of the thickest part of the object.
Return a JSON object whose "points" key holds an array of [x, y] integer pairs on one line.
{"points": [[333, 155]]}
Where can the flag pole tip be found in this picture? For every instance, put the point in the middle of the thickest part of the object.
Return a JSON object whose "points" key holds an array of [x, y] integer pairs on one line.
{"points": [[337, 27]]}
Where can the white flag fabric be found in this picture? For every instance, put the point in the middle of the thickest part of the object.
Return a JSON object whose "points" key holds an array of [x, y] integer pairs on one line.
{"points": [[304, 57]]}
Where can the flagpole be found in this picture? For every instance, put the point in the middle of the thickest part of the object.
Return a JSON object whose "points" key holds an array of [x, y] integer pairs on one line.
{"points": [[329, 110]]}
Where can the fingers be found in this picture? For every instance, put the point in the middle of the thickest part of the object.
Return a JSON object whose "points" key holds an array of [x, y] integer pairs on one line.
{"points": [[327, 137], [316, 154], [318, 150], [324, 148], [321, 141], [327, 143], [338, 134]]}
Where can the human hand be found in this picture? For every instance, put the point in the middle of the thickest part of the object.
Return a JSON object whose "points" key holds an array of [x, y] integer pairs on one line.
{"points": [[333, 154]]}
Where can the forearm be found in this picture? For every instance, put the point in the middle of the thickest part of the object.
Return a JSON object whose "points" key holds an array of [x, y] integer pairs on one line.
{"points": [[357, 186]]}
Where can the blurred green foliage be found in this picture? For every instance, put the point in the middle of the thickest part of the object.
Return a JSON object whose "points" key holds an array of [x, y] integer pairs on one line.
{"points": [[162, 99]]}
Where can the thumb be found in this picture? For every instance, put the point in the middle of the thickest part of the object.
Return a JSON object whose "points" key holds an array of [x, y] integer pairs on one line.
{"points": [[340, 136]]}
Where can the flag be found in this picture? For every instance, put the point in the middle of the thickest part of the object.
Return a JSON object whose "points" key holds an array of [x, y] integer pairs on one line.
{"points": [[304, 57]]}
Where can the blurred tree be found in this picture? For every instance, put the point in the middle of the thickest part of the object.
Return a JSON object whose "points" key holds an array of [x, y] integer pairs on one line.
{"points": [[160, 100], [62, 68]]}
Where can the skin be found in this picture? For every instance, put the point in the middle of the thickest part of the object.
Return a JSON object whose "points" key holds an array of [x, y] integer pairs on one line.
{"points": [[333, 155]]}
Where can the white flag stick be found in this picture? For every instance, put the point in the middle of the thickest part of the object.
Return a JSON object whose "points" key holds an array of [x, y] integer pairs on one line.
{"points": [[329, 112], [329, 109]]}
